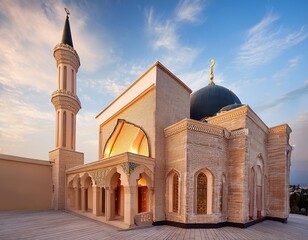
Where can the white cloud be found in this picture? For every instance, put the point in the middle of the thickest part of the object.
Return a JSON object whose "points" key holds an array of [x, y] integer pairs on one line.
{"points": [[284, 73], [189, 10], [165, 36], [116, 80], [163, 32], [265, 41]]}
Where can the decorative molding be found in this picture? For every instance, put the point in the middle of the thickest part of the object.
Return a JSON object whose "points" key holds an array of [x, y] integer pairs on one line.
{"points": [[148, 172], [65, 54], [228, 116], [280, 129], [129, 167], [99, 176], [192, 125], [62, 99], [239, 133], [70, 178]]}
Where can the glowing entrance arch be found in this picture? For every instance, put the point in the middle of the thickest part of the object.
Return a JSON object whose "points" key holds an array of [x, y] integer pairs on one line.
{"points": [[127, 137]]}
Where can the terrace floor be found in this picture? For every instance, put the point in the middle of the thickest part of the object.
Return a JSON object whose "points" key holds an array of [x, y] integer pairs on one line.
{"points": [[65, 225]]}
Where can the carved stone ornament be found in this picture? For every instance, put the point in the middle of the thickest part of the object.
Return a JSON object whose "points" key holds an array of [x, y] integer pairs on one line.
{"points": [[99, 176], [239, 133], [64, 100], [198, 127], [129, 167]]}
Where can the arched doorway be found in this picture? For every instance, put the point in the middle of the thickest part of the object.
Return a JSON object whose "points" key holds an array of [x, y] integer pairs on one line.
{"points": [[88, 194]]}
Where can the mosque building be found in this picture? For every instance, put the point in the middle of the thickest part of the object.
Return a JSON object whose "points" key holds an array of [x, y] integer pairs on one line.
{"points": [[167, 155]]}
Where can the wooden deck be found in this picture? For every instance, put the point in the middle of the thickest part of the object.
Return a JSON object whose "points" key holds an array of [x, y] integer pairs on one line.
{"points": [[64, 225]]}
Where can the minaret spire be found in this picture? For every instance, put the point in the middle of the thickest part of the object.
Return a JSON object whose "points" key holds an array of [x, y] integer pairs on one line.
{"points": [[67, 36]]}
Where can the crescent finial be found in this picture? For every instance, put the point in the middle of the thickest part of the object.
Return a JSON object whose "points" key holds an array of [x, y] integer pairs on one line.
{"points": [[67, 12]]}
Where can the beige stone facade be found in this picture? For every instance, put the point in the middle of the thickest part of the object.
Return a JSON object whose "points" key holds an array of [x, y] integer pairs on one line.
{"points": [[157, 165], [245, 163]]}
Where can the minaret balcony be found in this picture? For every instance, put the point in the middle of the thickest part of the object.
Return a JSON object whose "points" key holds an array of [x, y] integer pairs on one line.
{"points": [[65, 99]]}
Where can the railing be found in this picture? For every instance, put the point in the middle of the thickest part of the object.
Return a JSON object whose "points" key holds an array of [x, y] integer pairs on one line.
{"points": [[65, 92], [144, 219]]}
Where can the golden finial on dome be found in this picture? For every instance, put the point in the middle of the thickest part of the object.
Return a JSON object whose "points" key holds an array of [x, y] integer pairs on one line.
{"points": [[212, 61]]}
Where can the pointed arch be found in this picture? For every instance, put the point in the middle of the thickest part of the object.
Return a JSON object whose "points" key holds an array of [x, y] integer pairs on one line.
{"points": [[173, 191], [127, 137]]}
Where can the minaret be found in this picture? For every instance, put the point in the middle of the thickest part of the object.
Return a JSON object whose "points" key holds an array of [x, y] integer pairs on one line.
{"points": [[64, 98], [66, 105]]}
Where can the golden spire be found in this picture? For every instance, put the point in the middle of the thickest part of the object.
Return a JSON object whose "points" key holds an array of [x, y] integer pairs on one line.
{"points": [[212, 61]]}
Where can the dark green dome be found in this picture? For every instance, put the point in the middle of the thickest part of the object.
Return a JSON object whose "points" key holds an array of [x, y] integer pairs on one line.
{"points": [[207, 101]]}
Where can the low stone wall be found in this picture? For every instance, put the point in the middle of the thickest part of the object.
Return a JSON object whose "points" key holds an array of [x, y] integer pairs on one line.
{"points": [[25, 184]]}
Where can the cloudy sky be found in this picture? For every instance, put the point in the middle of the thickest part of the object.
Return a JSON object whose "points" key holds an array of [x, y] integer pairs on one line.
{"points": [[260, 48]]}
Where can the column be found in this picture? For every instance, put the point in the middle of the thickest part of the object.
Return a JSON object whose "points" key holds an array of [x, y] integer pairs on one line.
{"points": [[151, 190], [96, 200], [83, 199], [108, 210], [77, 198], [129, 205]]}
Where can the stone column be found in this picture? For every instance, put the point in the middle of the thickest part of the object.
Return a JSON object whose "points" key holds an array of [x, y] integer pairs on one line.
{"points": [[129, 205], [108, 210], [77, 198], [96, 200], [151, 190], [83, 199]]}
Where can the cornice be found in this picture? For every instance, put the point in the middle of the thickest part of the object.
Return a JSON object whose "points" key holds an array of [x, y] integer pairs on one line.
{"points": [[230, 115], [283, 128], [114, 161], [192, 125]]}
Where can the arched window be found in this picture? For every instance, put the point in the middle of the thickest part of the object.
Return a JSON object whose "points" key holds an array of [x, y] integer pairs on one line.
{"points": [[72, 79], [175, 193], [127, 137], [64, 130], [201, 194], [64, 77]]}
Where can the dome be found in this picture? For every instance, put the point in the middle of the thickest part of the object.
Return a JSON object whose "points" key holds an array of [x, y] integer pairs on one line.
{"points": [[208, 101]]}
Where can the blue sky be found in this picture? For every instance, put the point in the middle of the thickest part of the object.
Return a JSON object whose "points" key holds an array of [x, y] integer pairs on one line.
{"points": [[260, 48]]}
